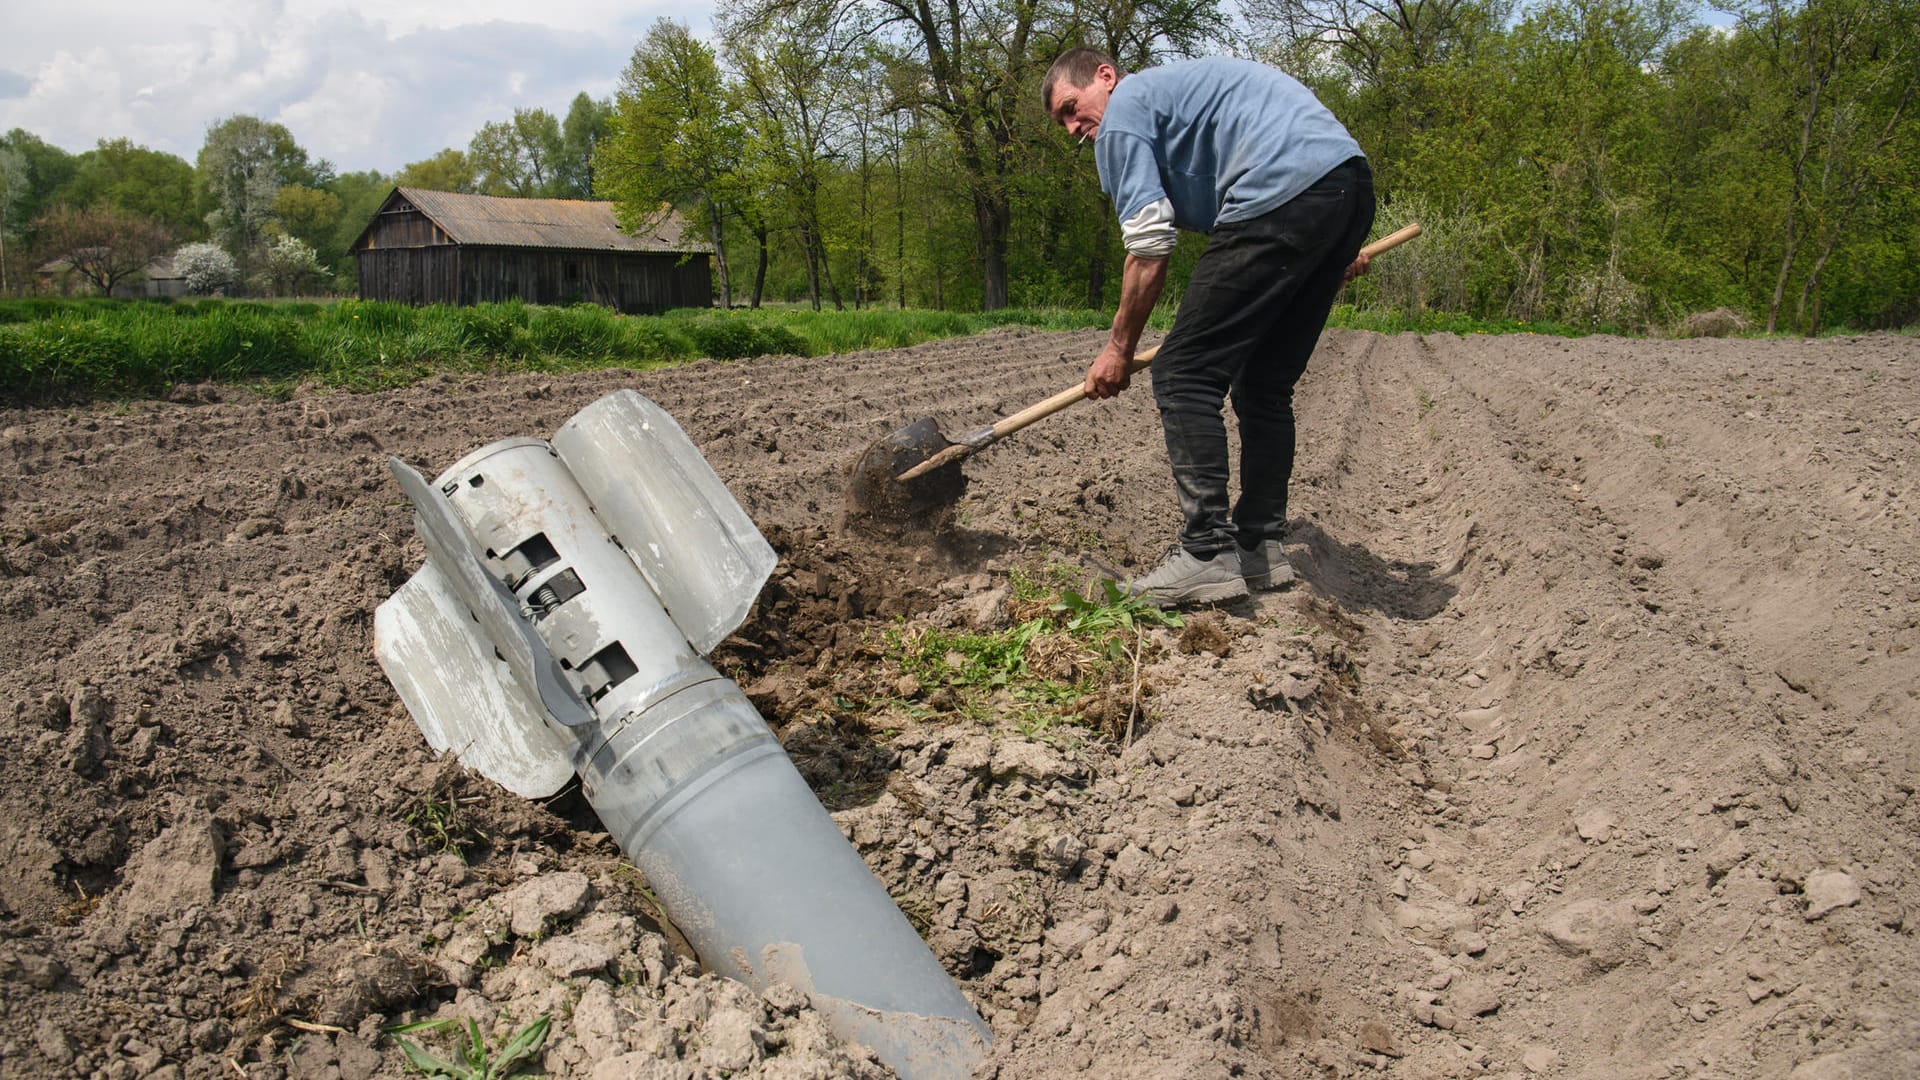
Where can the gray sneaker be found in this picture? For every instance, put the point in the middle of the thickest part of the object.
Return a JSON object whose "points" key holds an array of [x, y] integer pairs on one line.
{"points": [[1184, 579], [1265, 566]]}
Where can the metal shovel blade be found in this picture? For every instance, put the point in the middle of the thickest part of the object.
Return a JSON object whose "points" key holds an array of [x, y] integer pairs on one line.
{"points": [[875, 497]]}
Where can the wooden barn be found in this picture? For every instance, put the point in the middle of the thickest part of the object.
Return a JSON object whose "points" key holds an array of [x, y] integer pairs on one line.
{"points": [[440, 247]]}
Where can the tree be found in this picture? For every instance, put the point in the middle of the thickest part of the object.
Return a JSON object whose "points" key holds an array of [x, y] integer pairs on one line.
{"points": [[360, 195], [101, 244], [146, 183], [48, 168], [448, 170], [1847, 73], [14, 182], [35, 169], [242, 167], [309, 214], [795, 70], [1377, 42], [517, 157], [588, 122], [978, 67], [206, 268], [290, 267], [675, 139]]}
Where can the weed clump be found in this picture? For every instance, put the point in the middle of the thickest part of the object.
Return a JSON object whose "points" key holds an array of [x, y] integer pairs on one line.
{"points": [[1076, 660], [1718, 322], [477, 1060]]}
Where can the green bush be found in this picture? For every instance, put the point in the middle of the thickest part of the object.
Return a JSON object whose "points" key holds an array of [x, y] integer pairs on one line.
{"points": [[54, 356], [733, 338], [243, 342], [579, 332], [493, 329], [655, 341], [373, 314], [41, 308]]}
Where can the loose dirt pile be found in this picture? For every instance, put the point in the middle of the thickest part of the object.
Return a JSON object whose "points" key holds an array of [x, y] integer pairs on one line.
{"points": [[1586, 748]]}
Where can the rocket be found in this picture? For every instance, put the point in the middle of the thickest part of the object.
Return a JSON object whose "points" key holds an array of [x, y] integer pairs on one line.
{"points": [[559, 628]]}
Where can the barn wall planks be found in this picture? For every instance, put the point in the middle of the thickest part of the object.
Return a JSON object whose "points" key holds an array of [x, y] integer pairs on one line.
{"points": [[632, 282], [407, 257]]}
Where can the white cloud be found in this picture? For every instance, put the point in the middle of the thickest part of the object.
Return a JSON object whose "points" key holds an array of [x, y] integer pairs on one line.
{"points": [[365, 85], [406, 16]]}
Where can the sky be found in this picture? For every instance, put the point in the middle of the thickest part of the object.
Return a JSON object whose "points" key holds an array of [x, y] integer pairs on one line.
{"points": [[363, 84]]}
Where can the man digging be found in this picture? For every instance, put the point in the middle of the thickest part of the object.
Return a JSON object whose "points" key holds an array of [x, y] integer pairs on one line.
{"points": [[1247, 154]]}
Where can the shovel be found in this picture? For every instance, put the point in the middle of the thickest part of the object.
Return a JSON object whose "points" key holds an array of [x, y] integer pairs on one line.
{"points": [[904, 475]]}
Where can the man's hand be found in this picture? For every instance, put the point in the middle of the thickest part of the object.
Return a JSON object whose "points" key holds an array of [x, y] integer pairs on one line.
{"points": [[1140, 282], [1108, 374], [1355, 268]]}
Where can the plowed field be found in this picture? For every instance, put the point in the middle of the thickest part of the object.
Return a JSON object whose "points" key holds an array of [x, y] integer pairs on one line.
{"points": [[1586, 747]]}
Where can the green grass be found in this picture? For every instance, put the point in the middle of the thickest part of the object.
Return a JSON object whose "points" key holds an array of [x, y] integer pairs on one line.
{"points": [[66, 349], [476, 1060]]}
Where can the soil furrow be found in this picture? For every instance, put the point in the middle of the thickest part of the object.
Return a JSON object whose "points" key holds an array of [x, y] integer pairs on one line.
{"points": [[1595, 661], [1587, 748]]}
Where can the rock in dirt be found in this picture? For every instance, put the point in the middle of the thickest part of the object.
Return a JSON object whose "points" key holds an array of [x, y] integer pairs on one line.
{"points": [[528, 907], [1596, 929], [345, 983], [732, 1040], [53, 1043], [1830, 890], [1434, 916], [1798, 675], [84, 749], [985, 609], [345, 1056], [1538, 1059], [568, 957], [1376, 1038], [1032, 760], [39, 972], [1596, 826], [598, 1022], [1469, 943], [1481, 721], [176, 870], [1474, 999], [1068, 938]]}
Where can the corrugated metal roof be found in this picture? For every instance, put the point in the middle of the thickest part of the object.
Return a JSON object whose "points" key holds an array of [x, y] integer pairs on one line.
{"points": [[490, 220]]}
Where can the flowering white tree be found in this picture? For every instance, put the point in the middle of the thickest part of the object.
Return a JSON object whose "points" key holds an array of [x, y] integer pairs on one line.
{"points": [[289, 266], [207, 268]]}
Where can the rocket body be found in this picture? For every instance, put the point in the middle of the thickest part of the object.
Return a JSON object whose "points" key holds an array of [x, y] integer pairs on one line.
{"points": [[559, 629]]}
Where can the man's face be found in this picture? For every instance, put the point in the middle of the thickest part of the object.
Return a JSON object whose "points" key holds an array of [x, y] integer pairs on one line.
{"points": [[1079, 108]]}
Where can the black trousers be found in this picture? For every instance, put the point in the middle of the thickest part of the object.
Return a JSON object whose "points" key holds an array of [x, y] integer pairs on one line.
{"points": [[1249, 320]]}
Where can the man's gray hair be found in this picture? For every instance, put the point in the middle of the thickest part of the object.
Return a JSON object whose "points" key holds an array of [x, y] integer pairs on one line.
{"points": [[1075, 67]]}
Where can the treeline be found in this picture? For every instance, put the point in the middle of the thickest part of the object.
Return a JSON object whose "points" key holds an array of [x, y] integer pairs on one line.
{"points": [[254, 213], [1602, 163], [1592, 162]]}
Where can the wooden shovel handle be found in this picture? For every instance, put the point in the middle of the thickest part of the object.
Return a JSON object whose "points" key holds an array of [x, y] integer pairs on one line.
{"points": [[1391, 240], [1042, 409]]}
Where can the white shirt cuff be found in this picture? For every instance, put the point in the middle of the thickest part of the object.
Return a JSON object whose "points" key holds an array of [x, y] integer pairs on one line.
{"points": [[1150, 234]]}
